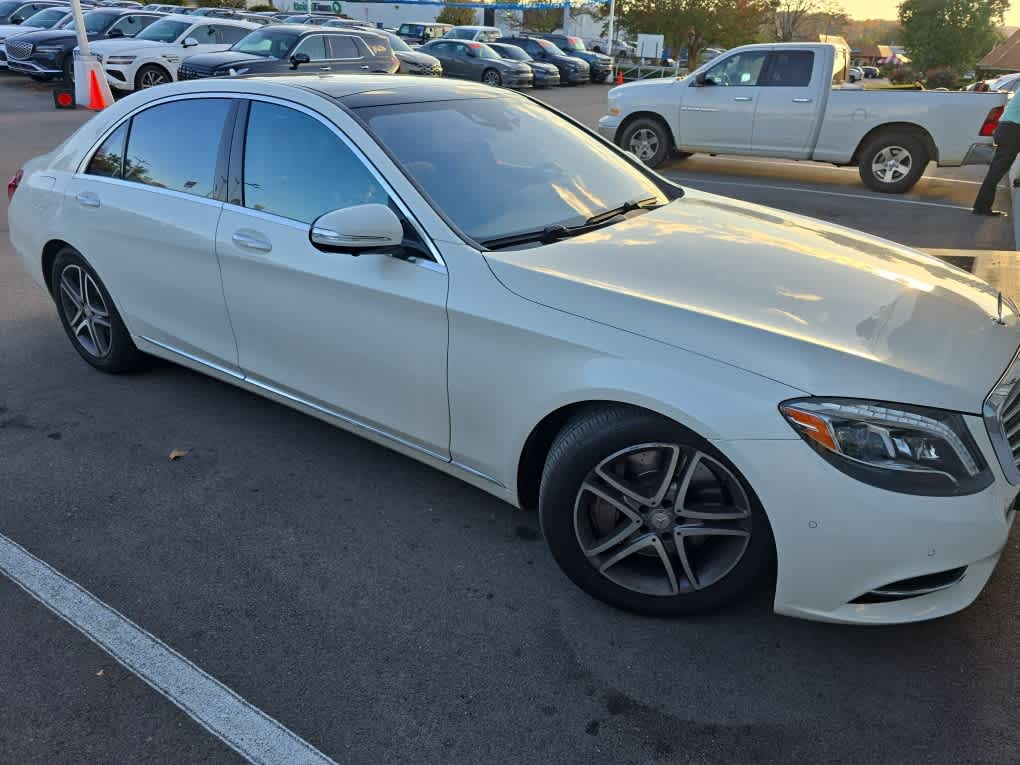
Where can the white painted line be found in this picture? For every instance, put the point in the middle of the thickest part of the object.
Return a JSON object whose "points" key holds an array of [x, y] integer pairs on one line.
{"points": [[247, 730], [694, 181]]}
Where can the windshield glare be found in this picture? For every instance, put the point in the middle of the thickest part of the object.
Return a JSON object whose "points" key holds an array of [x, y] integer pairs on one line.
{"points": [[527, 168], [398, 43], [45, 18], [95, 22], [575, 43], [512, 52], [164, 30], [484, 51], [550, 48], [272, 43]]}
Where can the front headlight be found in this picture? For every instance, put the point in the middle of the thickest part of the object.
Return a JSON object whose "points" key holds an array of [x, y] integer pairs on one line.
{"points": [[912, 450], [121, 60]]}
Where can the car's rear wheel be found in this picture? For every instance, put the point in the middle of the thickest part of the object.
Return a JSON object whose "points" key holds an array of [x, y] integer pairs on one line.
{"points": [[893, 162], [89, 316], [643, 514], [151, 75], [648, 139], [492, 77]]}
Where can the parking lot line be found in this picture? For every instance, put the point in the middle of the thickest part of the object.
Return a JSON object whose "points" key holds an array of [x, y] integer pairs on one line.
{"points": [[244, 728], [693, 180]]}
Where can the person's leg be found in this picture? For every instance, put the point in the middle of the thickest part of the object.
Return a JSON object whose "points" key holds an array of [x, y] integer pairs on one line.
{"points": [[1007, 138]]}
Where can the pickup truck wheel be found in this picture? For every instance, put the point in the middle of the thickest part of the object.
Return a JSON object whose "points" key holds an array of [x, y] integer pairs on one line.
{"points": [[648, 140], [893, 163]]}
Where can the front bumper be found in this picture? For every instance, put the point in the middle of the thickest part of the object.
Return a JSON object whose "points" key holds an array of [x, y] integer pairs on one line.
{"points": [[518, 80], [547, 79], [979, 154], [576, 77], [838, 539], [28, 66], [119, 78], [608, 126]]}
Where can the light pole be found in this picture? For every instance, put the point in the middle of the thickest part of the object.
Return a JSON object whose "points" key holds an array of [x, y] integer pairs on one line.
{"points": [[612, 51]]}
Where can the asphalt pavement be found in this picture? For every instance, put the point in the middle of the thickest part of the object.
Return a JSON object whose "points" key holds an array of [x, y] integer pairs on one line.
{"points": [[387, 613]]}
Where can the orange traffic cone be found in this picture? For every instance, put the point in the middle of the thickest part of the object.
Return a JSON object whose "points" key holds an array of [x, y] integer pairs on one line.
{"points": [[96, 100], [619, 77]]}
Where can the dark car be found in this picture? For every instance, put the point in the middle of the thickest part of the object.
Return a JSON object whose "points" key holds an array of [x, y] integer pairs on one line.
{"points": [[47, 53], [572, 70], [477, 61], [296, 48], [16, 11], [546, 75], [420, 32], [309, 18], [599, 63], [413, 61]]}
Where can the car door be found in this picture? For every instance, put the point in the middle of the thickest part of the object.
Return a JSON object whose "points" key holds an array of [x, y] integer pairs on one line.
{"points": [[719, 114], [446, 52], [314, 46], [789, 106], [345, 55], [207, 37], [144, 210], [129, 26], [362, 337]]}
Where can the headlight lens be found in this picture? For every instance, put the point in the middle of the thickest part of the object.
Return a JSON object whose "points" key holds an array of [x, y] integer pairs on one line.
{"points": [[912, 450], [121, 60]]}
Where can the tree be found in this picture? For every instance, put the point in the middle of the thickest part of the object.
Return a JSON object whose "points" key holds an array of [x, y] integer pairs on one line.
{"points": [[451, 14], [952, 34], [693, 24], [542, 20]]}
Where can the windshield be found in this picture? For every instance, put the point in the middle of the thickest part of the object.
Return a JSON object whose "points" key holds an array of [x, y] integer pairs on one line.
{"points": [[575, 43], [397, 43], [45, 18], [484, 51], [8, 6], [512, 52], [272, 42], [96, 22], [527, 168], [549, 47], [411, 30], [164, 30], [461, 34]]}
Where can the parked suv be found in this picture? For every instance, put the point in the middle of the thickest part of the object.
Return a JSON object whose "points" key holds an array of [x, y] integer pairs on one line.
{"points": [[599, 63], [16, 11], [420, 32], [47, 54], [47, 18], [288, 48], [572, 70], [154, 56]]}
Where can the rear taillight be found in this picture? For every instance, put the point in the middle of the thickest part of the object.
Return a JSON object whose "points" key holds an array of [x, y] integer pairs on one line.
{"points": [[991, 121], [12, 185]]}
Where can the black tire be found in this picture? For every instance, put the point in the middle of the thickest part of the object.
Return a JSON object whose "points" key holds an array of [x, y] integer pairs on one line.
{"points": [[68, 69], [653, 138], [592, 439], [107, 349], [896, 146], [493, 78], [147, 75]]}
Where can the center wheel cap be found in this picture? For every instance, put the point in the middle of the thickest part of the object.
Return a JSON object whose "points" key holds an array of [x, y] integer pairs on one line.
{"points": [[661, 521]]}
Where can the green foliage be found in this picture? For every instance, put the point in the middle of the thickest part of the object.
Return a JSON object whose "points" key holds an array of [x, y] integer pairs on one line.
{"points": [[543, 20], [951, 34], [263, 7], [899, 75], [451, 14], [942, 78]]}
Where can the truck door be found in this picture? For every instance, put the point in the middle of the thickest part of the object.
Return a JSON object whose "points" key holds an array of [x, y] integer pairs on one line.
{"points": [[717, 108], [789, 104]]}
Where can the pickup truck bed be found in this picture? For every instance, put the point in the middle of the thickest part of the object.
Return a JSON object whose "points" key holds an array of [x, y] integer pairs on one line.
{"points": [[790, 100]]}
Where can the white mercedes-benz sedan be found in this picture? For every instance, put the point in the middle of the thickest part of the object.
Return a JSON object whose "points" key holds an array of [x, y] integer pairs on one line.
{"points": [[686, 387]]}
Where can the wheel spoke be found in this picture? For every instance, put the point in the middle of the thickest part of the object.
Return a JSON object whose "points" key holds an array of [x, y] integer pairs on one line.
{"points": [[80, 326], [685, 561], [617, 535], [641, 543], [655, 496], [68, 290]]}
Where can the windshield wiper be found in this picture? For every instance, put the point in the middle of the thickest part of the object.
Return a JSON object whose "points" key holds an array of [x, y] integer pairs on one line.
{"points": [[551, 234]]}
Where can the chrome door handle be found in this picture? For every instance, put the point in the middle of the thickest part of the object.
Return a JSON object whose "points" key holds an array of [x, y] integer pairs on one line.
{"points": [[741, 98], [366, 68], [325, 69], [249, 242], [87, 199], [802, 100]]}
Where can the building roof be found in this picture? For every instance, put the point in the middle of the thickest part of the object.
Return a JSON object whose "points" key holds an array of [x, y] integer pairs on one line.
{"points": [[1005, 57]]}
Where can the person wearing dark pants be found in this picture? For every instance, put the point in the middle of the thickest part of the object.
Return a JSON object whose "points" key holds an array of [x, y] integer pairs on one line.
{"points": [[1007, 147]]}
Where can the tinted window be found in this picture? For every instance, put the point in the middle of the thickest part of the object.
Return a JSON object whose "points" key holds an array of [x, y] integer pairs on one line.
{"points": [[273, 42], [741, 69], [549, 48], [484, 51], [7, 7], [176, 145], [164, 30], [461, 34], [490, 35], [229, 35], [108, 161], [310, 173], [413, 30], [205, 34], [343, 46], [790, 68], [45, 18], [23, 13], [314, 46], [132, 25], [560, 175]]}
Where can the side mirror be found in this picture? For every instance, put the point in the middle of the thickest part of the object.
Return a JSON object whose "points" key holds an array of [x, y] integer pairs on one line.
{"points": [[700, 80], [114, 33], [189, 42], [354, 230], [16, 21], [299, 58]]}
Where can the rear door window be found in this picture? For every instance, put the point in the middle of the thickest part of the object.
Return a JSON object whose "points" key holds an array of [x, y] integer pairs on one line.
{"points": [[314, 46], [177, 145], [344, 46], [132, 25], [228, 35], [789, 69]]}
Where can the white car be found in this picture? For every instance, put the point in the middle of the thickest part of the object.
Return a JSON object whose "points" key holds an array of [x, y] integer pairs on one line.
{"points": [[154, 55], [684, 385], [47, 18], [475, 33]]}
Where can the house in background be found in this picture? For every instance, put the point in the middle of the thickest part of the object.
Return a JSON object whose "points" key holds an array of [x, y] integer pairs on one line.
{"points": [[1002, 59]]}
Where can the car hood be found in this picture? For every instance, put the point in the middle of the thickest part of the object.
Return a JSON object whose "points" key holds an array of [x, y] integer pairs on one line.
{"points": [[224, 58], [821, 308], [9, 30], [541, 66], [417, 57], [45, 36], [121, 46], [633, 88]]}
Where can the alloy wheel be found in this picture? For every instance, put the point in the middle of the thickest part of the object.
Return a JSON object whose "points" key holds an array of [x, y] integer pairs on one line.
{"points": [[153, 77], [87, 313], [891, 164], [662, 519], [644, 144], [492, 78]]}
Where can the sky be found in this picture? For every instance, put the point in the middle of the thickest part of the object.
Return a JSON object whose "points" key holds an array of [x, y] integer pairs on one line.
{"points": [[883, 9]]}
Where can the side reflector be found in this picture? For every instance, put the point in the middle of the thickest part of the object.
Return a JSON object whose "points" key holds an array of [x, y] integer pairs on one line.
{"points": [[991, 121], [63, 99], [812, 426]]}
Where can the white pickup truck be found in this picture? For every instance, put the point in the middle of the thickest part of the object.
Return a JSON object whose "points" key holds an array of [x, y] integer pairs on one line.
{"points": [[791, 100]]}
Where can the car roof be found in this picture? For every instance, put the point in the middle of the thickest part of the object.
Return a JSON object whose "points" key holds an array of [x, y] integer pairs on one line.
{"points": [[359, 90], [476, 27]]}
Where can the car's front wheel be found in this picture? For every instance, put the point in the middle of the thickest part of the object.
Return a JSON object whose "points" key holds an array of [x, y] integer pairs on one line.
{"points": [[645, 515], [492, 77], [647, 139], [151, 75], [89, 316]]}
